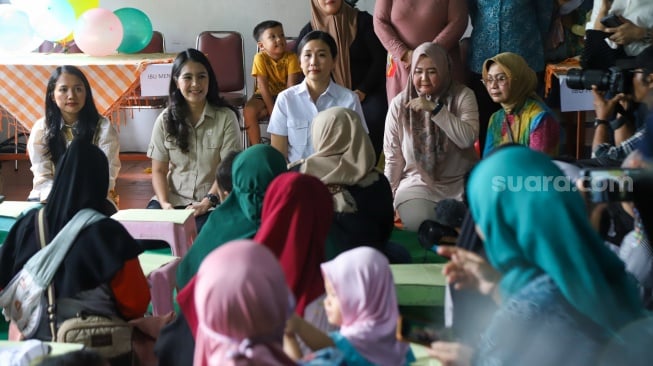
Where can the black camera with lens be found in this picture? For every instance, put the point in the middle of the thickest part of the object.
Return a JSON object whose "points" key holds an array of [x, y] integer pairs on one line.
{"points": [[433, 233], [615, 80]]}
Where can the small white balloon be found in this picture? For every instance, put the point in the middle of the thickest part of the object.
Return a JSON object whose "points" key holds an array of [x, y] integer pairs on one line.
{"points": [[15, 29], [53, 19]]}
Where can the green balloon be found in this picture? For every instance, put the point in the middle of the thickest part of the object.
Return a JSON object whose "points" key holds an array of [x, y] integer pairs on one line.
{"points": [[137, 30]]}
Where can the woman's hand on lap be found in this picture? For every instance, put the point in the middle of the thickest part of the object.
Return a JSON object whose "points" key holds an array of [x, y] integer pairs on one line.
{"points": [[200, 208]]}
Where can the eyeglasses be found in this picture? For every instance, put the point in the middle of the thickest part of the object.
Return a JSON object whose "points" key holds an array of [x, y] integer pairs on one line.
{"points": [[500, 79]]}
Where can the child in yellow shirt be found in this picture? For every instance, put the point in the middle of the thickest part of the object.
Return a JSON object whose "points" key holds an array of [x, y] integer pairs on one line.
{"points": [[275, 69]]}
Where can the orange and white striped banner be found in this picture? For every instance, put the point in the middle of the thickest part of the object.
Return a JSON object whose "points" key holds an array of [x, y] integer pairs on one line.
{"points": [[23, 80]]}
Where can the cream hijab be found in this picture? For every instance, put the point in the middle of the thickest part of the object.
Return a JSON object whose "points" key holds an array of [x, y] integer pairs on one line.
{"points": [[344, 155], [342, 27]]}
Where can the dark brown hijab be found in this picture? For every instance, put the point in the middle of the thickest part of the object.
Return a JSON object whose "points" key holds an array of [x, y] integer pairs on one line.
{"points": [[342, 27]]}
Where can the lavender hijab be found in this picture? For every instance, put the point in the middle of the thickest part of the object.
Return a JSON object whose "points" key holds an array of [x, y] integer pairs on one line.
{"points": [[363, 283]]}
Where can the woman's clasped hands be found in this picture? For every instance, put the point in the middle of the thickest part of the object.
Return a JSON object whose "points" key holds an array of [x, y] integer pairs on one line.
{"points": [[421, 103]]}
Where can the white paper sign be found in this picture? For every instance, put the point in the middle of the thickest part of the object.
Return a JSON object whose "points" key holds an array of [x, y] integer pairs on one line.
{"points": [[155, 80], [574, 100]]}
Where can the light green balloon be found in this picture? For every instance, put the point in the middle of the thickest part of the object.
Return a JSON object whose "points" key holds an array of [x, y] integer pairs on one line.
{"points": [[137, 30]]}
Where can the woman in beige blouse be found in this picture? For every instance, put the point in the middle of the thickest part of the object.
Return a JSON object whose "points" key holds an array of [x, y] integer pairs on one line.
{"points": [[69, 112], [429, 137]]}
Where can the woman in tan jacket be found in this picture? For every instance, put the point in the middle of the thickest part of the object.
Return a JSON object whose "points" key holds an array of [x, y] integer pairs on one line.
{"points": [[430, 132]]}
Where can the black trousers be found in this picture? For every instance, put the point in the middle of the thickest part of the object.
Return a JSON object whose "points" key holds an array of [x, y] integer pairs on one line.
{"points": [[375, 108]]}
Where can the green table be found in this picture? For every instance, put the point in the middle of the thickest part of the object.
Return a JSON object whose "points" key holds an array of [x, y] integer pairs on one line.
{"points": [[10, 211], [4, 329], [409, 241], [420, 294], [55, 347], [422, 356], [419, 284]]}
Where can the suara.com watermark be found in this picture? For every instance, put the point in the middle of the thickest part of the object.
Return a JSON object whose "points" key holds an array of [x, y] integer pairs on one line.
{"points": [[546, 183]]}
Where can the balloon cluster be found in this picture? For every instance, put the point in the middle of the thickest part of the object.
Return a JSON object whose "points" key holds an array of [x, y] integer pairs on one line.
{"points": [[25, 24]]}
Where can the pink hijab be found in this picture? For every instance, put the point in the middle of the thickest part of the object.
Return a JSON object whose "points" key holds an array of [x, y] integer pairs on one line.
{"points": [[242, 305], [363, 283]]}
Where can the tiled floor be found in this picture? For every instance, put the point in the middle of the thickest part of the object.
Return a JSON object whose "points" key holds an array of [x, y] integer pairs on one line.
{"points": [[134, 184]]}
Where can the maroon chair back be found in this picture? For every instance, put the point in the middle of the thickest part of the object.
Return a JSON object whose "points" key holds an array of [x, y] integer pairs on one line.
{"points": [[156, 45], [291, 43], [225, 51]]}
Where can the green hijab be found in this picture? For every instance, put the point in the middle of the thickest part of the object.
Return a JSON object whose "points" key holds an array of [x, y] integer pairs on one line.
{"points": [[532, 229], [239, 217]]}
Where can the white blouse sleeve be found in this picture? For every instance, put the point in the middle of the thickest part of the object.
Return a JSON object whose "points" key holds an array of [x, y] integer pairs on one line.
{"points": [[42, 167], [108, 142]]}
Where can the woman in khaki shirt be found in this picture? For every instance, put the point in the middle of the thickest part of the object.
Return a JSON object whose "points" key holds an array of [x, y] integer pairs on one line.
{"points": [[190, 138]]}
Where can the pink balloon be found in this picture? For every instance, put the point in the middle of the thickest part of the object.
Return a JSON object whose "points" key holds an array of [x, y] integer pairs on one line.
{"points": [[98, 32]]}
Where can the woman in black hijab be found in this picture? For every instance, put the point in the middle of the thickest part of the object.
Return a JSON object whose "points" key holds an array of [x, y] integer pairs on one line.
{"points": [[100, 274]]}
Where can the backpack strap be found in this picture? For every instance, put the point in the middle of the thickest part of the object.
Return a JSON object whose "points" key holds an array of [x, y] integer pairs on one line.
{"points": [[46, 261], [56, 253], [51, 305]]}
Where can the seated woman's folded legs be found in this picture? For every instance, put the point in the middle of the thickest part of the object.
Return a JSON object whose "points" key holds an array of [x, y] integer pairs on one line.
{"points": [[414, 211]]}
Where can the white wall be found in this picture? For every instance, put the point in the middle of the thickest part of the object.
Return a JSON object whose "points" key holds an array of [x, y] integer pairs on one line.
{"points": [[181, 21]]}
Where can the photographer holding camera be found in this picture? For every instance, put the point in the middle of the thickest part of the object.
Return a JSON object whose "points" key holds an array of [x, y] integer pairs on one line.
{"points": [[616, 135], [622, 127]]}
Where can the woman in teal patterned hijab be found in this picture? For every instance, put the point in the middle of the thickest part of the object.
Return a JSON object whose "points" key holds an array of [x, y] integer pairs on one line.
{"points": [[563, 295], [239, 217], [535, 223]]}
